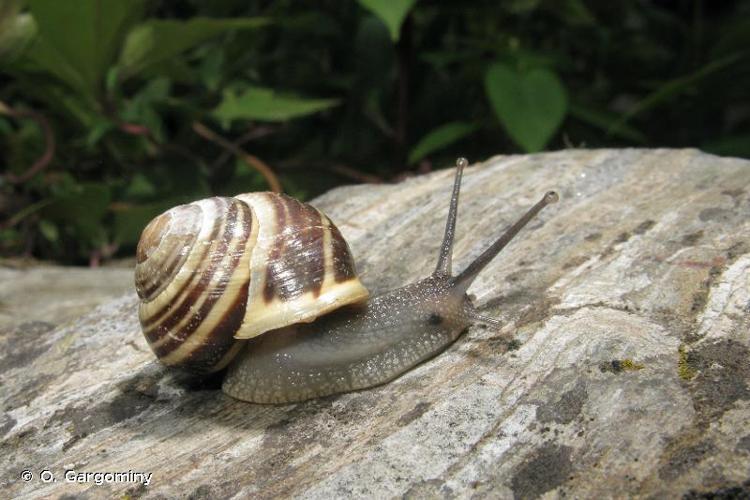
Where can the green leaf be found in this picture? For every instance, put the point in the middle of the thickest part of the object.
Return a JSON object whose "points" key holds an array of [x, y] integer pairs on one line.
{"points": [[101, 128], [391, 12], [141, 108], [111, 80], [75, 105], [16, 30], [140, 187], [79, 40], [5, 127], [373, 53], [156, 41], [530, 105], [439, 138], [49, 230], [42, 56], [82, 208], [210, 68], [10, 239], [265, 105]]}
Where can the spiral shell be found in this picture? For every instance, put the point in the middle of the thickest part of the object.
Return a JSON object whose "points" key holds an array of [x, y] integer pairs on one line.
{"points": [[221, 269]]}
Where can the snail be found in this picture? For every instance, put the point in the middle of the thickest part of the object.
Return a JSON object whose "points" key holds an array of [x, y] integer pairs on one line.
{"points": [[265, 286]]}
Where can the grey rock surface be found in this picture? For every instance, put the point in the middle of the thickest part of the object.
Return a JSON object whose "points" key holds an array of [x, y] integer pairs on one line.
{"points": [[621, 368], [54, 294]]}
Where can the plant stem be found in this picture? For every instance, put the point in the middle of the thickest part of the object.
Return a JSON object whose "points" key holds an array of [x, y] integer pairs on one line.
{"points": [[253, 161], [49, 143]]}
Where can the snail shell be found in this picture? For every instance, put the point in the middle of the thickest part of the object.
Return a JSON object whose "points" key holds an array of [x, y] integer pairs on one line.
{"points": [[222, 269]]}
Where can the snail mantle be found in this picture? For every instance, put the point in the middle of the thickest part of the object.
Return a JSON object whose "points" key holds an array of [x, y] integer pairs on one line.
{"points": [[620, 365]]}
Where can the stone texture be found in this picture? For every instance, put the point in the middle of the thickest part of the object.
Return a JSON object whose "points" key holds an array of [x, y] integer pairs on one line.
{"points": [[621, 367], [57, 294]]}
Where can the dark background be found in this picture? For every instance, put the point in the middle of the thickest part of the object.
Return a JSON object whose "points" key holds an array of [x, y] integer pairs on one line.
{"points": [[114, 110]]}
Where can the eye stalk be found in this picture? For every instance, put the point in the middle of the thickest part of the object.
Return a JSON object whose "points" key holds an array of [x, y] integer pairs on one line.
{"points": [[443, 267], [467, 276]]}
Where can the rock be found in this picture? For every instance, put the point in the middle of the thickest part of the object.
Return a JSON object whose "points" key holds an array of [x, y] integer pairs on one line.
{"points": [[621, 367], [57, 294]]}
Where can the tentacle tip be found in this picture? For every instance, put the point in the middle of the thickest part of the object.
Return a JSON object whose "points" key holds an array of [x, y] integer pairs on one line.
{"points": [[462, 162], [551, 197]]}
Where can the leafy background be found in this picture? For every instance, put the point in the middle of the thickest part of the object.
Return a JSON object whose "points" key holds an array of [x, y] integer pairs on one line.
{"points": [[114, 110]]}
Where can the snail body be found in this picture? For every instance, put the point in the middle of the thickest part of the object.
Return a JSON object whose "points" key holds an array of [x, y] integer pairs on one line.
{"points": [[352, 348], [308, 349]]}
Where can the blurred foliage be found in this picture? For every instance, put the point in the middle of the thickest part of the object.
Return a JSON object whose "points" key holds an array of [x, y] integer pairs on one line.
{"points": [[113, 110]]}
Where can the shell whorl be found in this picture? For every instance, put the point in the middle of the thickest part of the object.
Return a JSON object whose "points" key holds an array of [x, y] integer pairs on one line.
{"points": [[222, 269], [301, 266], [191, 318]]}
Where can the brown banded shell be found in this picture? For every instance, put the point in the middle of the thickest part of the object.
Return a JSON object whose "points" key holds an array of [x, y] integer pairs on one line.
{"points": [[221, 269]]}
